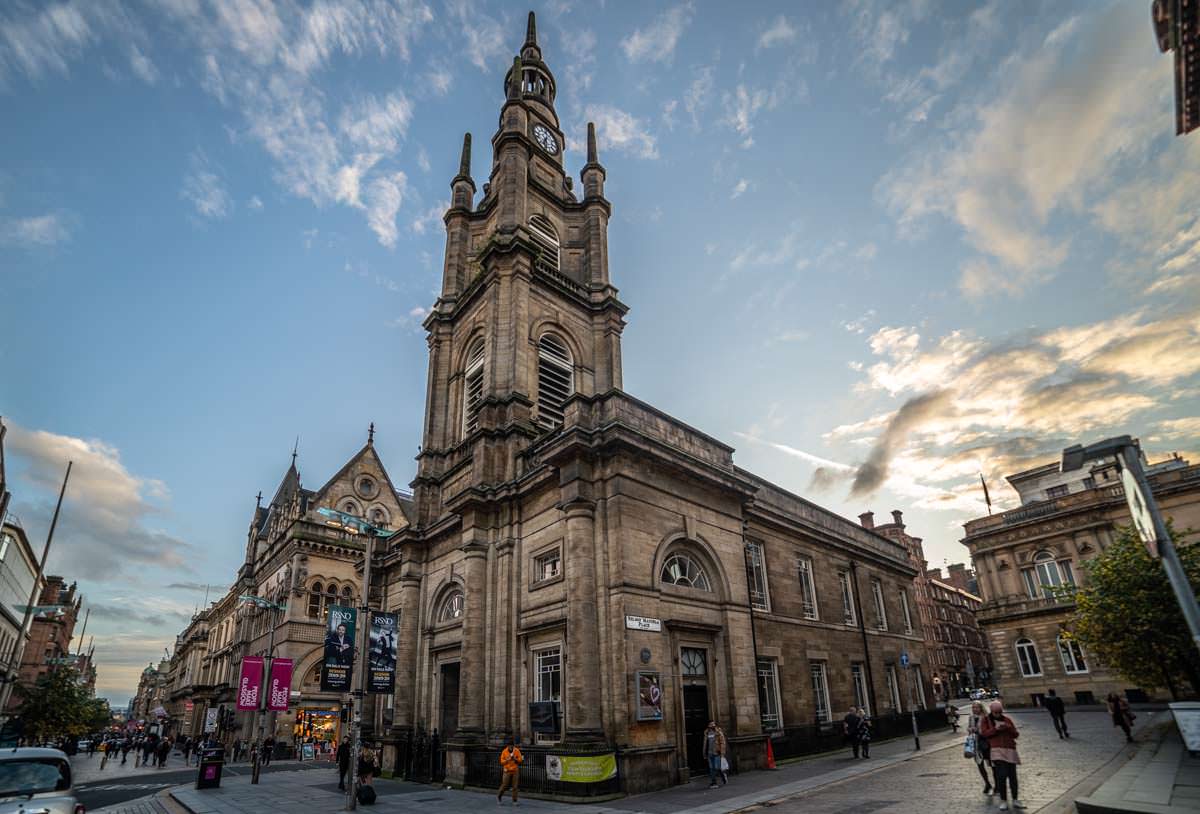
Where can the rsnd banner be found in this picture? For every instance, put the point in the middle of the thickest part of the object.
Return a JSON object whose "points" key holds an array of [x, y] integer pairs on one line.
{"points": [[381, 653], [339, 650]]}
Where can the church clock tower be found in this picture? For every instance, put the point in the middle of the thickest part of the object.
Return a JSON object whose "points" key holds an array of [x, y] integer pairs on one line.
{"points": [[527, 316]]}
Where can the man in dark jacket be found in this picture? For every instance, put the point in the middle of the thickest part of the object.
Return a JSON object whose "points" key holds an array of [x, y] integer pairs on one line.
{"points": [[343, 761], [850, 729], [1058, 712]]}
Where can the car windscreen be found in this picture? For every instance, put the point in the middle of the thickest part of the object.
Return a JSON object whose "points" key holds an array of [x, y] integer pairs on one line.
{"points": [[34, 775]]}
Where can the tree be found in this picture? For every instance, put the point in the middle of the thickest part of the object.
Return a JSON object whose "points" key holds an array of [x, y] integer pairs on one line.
{"points": [[57, 705], [1126, 615]]}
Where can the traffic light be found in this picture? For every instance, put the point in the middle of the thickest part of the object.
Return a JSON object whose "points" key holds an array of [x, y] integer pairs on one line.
{"points": [[1177, 28]]}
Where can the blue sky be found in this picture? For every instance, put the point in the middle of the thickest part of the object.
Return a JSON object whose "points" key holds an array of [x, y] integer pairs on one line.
{"points": [[220, 227]]}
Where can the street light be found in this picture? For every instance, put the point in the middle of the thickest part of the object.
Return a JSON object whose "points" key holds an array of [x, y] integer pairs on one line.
{"points": [[359, 526], [260, 719], [1147, 519]]}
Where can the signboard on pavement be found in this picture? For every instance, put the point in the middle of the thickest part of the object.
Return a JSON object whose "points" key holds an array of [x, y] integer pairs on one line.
{"points": [[1139, 511], [210, 719]]}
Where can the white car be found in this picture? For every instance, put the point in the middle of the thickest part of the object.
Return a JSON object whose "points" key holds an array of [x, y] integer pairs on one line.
{"points": [[36, 774]]}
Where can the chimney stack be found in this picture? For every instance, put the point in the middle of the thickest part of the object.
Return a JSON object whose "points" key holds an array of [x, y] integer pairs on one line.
{"points": [[867, 519], [898, 517]]}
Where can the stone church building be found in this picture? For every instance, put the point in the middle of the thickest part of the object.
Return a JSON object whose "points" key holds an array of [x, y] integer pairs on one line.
{"points": [[566, 536], [566, 545]]}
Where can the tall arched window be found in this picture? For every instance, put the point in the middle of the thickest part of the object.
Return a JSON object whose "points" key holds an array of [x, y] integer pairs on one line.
{"points": [[350, 507], [1027, 658], [1072, 656], [682, 569], [473, 388], [556, 380], [314, 601], [452, 607], [347, 595], [331, 593], [546, 238]]}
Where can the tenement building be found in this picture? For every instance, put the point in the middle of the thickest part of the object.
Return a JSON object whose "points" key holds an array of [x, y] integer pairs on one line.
{"points": [[574, 566], [1066, 517], [958, 656], [50, 632]]}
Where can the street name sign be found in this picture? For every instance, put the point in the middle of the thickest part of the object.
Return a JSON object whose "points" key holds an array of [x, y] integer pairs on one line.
{"points": [[643, 623]]}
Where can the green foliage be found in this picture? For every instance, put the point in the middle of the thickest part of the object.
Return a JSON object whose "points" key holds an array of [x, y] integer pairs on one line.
{"points": [[1127, 617], [57, 705]]}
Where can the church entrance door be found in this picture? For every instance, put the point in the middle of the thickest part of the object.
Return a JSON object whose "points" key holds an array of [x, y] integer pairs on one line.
{"points": [[695, 721], [449, 711]]}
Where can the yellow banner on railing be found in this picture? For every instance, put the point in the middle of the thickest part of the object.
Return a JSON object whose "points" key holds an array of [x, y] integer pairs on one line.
{"points": [[581, 768]]}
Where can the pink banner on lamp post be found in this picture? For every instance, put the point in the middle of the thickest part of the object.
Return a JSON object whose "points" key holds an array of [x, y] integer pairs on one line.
{"points": [[281, 685], [250, 683]]}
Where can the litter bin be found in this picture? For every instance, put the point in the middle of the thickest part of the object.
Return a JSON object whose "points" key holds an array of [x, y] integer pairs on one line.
{"points": [[212, 760]]}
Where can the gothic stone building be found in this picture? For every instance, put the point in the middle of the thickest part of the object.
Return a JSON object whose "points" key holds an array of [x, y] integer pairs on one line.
{"points": [[566, 535], [1065, 518]]}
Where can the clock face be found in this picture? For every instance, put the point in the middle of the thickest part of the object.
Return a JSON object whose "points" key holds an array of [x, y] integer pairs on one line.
{"points": [[546, 139]]}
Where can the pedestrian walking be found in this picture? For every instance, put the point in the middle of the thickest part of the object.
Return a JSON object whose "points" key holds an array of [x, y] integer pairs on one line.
{"points": [[164, 751], [510, 763], [1058, 713], [850, 729], [268, 749], [1122, 715], [237, 749], [91, 746], [343, 762], [864, 732], [715, 748], [368, 766], [103, 755], [1001, 734], [147, 751], [980, 753], [188, 745], [126, 745]]}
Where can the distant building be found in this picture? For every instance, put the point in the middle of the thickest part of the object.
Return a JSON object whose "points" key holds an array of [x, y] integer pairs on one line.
{"points": [[957, 651], [1020, 556], [18, 570], [50, 633]]}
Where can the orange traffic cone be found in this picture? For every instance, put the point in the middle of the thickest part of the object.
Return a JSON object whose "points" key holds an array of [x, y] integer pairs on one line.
{"points": [[770, 755]]}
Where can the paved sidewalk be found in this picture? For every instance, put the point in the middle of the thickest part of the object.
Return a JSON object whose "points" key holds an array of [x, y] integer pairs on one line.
{"points": [[1160, 779], [287, 792]]}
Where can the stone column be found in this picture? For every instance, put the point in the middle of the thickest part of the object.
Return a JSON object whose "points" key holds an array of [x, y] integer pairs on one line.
{"points": [[583, 637], [403, 714], [472, 670]]}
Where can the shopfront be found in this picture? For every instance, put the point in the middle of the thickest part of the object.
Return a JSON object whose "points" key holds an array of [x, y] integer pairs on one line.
{"points": [[321, 726]]}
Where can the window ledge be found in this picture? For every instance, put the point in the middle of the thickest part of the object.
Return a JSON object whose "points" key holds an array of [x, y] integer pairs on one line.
{"points": [[543, 583]]}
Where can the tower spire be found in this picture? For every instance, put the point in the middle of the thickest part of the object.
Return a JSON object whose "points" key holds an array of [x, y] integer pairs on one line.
{"points": [[531, 31], [371, 434], [464, 162], [295, 450], [593, 173], [592, 152]]}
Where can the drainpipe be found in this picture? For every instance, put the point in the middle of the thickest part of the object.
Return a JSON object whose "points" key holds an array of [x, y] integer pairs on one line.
{"points": [[862, 628]]}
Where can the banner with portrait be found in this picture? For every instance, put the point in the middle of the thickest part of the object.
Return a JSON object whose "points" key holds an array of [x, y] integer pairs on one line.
{"points": [[649, 696], [339, 650], [381, 653]]}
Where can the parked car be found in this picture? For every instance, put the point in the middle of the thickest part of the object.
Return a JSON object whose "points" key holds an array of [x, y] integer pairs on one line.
{"points": [[83, 745], [34, 773]]}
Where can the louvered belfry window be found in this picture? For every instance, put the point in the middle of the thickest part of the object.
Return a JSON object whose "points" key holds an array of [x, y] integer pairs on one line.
{"points": [[473, 388], [545, 236], [555, 380]]}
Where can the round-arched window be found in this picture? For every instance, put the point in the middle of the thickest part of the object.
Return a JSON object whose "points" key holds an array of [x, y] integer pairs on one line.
{"points": [[379, 516], [350, 507], [682, 569], [1027, 658], [556, 380], [314, 601], [452, 607]]}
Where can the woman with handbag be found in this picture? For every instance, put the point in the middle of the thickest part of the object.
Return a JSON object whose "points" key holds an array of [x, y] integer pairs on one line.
{"points": [[978, 746], [1001, 734]]}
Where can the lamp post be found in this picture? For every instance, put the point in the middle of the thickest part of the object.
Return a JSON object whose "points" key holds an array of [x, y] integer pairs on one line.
{"points": [[1147, 519], [260, 716], [358, 526]]}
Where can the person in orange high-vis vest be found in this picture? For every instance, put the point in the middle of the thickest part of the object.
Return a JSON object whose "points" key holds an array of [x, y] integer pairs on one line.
{"points": [[510, 761]]}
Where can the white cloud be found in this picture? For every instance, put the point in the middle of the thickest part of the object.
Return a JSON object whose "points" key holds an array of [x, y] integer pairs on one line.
{"points": [[739, 188], [780, 32], [203, 188], [384, 197], [376, 124], [36, 40], [32, 232], [486, 42], [1068, 118], [429, 218], [866, 252], [618, 130], [439, 81], [699, 94], [423, 160], [141, 66], [656, 42], [105, 525], [255, 203]]}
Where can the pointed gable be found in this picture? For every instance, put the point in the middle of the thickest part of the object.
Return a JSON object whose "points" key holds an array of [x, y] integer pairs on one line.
{"points": [[363, 487]]}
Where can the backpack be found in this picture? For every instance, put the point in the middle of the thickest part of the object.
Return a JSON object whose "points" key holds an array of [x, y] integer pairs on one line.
{"points": [[366, 795]]}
